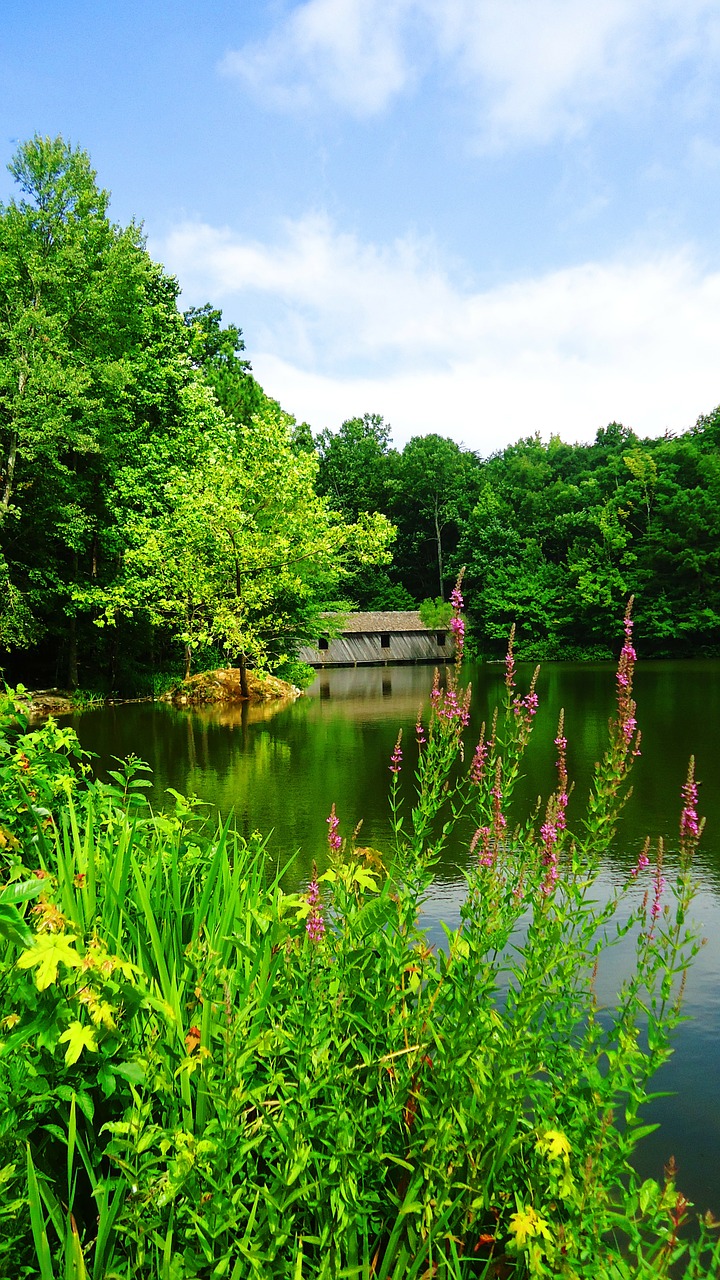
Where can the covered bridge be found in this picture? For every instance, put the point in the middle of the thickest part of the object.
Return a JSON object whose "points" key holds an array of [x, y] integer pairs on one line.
{"points": [[376, 639]]}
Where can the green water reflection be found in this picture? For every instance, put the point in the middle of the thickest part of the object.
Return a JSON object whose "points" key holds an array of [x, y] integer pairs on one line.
{"points": [[281, 768]]}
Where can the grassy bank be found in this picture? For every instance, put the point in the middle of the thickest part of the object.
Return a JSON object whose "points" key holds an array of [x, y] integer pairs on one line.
{"points": [[203, 1075]]}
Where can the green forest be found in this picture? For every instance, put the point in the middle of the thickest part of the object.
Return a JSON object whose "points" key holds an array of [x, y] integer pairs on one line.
{"points": [[159, 513]]}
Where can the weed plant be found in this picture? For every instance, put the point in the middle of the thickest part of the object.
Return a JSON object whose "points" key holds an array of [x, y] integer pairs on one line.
{"points": [[203, 1075]]}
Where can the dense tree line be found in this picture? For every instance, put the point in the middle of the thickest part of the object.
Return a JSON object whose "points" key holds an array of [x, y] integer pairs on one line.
{"points": [[554, 536], [155, 505], [157, 509]]}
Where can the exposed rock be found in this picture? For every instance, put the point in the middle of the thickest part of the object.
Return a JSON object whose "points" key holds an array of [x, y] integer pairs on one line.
{"points": [[48, 702], [223, 686]]}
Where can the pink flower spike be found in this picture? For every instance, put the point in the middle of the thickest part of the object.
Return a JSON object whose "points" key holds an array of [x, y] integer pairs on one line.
{"points": [[315, 925], [510, 662], [642, 862], [396, 757], [334, 838]]}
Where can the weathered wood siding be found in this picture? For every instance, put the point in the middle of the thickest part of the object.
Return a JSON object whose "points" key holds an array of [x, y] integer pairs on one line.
{"points": [[367, 649]]}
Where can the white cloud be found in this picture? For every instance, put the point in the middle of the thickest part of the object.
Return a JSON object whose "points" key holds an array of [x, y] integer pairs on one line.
{"points": [[350, 52], [344, 327], [535, 68]]}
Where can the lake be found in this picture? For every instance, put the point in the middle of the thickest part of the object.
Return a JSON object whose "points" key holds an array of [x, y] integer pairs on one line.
{"points": [[281, 769]]}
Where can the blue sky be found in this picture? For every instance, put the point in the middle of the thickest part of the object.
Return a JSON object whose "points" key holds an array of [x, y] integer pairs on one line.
{"points": [[484, 218]]}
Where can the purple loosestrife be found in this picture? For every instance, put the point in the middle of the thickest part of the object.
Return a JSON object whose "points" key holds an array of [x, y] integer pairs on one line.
{"points": [[479, 760], [555, 815], [562, 788], [510, 663], [420, 731], [435, 694], [486, 856], [627, 722], [457, 622], [334, 838], [314, 925], [643, 861], [549, 834], [524, 710], [499, 819], [690, 825], [396, 757], [450, 707], [658, 888]]}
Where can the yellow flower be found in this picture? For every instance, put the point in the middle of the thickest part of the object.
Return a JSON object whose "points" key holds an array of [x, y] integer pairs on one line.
{"points": [[554, 1145], [526, 1224]]}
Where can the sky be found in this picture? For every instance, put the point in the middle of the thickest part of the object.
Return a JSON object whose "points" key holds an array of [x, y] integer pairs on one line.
{"points": [[482, 218]]}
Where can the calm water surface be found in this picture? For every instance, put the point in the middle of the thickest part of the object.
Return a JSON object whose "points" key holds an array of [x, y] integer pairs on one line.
{"points": [[280, 770]]}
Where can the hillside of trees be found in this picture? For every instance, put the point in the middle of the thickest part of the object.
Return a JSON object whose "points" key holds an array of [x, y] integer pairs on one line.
{"points": [[159, 511]]}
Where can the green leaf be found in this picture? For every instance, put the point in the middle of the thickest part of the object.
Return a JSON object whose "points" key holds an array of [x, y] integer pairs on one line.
{"points": [[77, 1037], [13, 926], [48, 952]]}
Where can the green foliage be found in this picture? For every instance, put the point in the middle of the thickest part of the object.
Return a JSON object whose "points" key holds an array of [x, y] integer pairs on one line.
{"points": [[296, 672], [245, 554], [435, 613], [204, 1074], [39, 772]]}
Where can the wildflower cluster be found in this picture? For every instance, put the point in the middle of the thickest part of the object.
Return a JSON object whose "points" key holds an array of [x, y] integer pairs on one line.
{"points": [[457, 622], [396, 757], [334, 838], [690, 825], [555, 816], [643, 860], [480, 758], [449, 704], [660, 884], [315, 924], [627, 721]]}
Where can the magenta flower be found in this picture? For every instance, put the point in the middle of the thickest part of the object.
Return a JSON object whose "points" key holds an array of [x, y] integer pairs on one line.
{"points": [[420, 730], [626, 721], [482, 837], [660, 883], [396, 757], [526, 706], [499, 819], [689, 821], [457, 626], [642, 862], [456, 599], [479, 760], [334, 839], [549, 833], [315, 925], [510, 662]]}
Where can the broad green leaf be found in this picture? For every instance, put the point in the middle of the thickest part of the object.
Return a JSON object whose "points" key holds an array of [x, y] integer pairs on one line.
{"points": [[48, 952], [77, 1037]]}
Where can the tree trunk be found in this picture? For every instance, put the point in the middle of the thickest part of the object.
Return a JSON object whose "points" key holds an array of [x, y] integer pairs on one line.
{"points": [[438, 539], [244, 687], [12, 452], [72, 655], [188, 658]]}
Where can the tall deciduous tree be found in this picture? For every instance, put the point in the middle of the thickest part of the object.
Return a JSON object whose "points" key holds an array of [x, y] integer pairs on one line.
{"points": [[247, 554], [94, 370]]}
